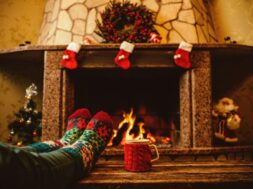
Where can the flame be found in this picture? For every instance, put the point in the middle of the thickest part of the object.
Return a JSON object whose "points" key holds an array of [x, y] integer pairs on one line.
{"points": [[127, 133], [129, 118], [151, 138], [113, 136], [142, 131]]}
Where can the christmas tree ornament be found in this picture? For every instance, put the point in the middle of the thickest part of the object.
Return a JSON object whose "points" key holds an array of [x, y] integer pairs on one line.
{"points": [[34, 133], [122, 58], [19, 143], [31, 91], [69, 57], [29, 121], [182, 55], [12, 132], [155, 38], [125, 21]]}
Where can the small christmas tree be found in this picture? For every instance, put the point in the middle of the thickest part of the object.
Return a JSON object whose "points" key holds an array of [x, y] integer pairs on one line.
{"points": [[26, 129]]}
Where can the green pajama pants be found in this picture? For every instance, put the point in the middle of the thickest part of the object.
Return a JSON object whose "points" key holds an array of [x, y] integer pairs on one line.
{"points": [[21, 168]]}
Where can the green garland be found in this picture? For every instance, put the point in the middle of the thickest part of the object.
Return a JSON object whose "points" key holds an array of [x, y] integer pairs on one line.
{"points": [[126, 22]]}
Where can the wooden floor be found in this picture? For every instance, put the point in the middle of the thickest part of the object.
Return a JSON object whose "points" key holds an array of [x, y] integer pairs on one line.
{"points": [[165, 174]]}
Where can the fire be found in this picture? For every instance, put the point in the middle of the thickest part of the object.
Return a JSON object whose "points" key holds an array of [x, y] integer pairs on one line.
{"points": [[130, 120], [128, 129]]}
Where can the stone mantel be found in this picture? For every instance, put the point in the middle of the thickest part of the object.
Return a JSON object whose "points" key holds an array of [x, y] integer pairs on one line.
{"points": [[171, 46]]}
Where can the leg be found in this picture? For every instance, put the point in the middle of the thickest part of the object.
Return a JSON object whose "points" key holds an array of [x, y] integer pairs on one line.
{"points": [[21, 169], [59, 168]]}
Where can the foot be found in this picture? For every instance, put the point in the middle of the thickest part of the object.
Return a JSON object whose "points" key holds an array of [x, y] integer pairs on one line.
{"points": [[77, 122], [93, 140]]}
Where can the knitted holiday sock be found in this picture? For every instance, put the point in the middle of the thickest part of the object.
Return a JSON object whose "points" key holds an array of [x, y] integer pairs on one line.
{"points": [[122, 57], [77, 122], [93, 140], [181, 56]]}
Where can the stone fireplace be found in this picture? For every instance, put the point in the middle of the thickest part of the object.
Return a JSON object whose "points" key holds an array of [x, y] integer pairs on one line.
{"points": [[152, 82]]}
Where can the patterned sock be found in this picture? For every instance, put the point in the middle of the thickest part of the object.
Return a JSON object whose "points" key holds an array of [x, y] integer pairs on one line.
{"points": [[93, 140], [77, 122]]}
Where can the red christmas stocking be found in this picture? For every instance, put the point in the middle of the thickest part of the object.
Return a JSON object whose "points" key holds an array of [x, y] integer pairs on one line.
{"points": [[69, 57], [181, 57], [122, 57]]}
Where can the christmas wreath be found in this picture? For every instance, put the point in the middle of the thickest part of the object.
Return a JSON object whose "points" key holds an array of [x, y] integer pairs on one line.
{"points": [[126, 22]]}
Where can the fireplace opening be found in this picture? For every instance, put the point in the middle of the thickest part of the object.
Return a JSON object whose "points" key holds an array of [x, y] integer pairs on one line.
{"points": [[150, 96]]}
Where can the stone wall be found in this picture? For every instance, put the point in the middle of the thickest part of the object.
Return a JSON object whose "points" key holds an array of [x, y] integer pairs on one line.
{"points": [[176, 20]]}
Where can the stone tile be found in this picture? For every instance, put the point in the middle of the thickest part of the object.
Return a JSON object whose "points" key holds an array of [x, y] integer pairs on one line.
{"points": [[99, 18], [78, 11], [168, 12], [187, 16], [201, 36], [205, 32], [52, 29], [151, 4], [187, 4], [49, 5], [101, 8], [211, 30], [163, 32], [168, 26], [62, 37], [49, 17], [50, 41], [171, 1], [78, 38], [199, 17], [79, 27], [56, 8], [95, 3], [45, 31], [212, 40], [188, 31], [64, 21], [199, 4], [91, 22], [174, 37], [67, 3], [98, 38], [44, 22]]}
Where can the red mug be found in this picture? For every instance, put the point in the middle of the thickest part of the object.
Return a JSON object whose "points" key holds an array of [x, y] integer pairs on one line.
{"points": [[138, 156]]}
